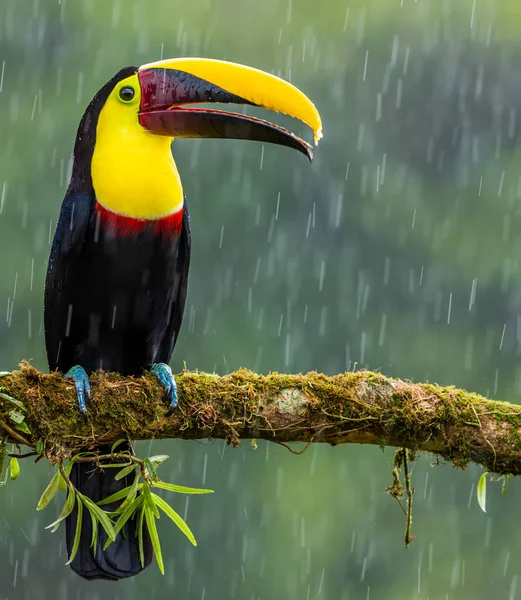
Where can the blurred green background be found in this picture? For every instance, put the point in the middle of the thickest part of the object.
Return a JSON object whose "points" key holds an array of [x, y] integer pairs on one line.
{"points": [[397, 250]]}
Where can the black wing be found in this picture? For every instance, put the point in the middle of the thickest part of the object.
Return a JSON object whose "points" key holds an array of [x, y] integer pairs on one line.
{"points": [[67, 245], [177, 300]]}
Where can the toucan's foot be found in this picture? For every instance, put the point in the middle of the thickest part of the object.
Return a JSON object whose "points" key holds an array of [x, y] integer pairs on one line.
{"points": [[164, 373], [81, 381]]}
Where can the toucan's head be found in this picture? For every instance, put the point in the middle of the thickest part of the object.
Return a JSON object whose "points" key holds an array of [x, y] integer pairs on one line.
{"points": [[160, 97], [127, 129]]}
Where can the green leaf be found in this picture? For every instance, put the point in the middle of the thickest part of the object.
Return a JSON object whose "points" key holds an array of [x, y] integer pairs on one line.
{"points": [[154, 538], [116, 444], [14, 467], [16, 417], [23, 428], [5, 373], [101, 515], [149, 501], [39, 446], [77, 535], [20, 405], [151, 470], [125, 471], [119, 495], [131, 494], [139, 531], [125, 516], [94, 538], [180, 488], [62, 485], [168, 510], [65, 511], [50, 491], [481, 491], [158, 459]]}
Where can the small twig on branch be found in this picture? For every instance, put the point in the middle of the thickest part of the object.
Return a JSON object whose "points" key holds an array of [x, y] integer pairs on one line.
{"points": [[17, 437], [361, 407], [26, 455]]}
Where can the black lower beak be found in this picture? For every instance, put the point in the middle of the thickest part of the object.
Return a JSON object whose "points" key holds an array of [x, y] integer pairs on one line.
{"points": [[207, 123]]}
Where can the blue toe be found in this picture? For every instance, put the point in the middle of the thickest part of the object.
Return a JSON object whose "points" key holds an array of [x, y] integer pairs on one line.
{"points": [[164, 373], [81, 381]]}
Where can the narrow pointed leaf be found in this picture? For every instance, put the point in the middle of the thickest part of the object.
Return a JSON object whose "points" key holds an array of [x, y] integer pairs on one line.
{"points": [[139, 530], [124, 472], [131, 494], [116, 444], [39, 446], [65, 512], [180, 488], [154, 538], [50, 491], [481, 491], [168, 510], [101, 515], [94, 538], [119, 495], [149, 501], [77, 535], [124, 517], [14, 401]]}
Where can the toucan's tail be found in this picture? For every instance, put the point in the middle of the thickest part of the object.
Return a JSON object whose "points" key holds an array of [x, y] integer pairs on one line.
{"points": [[121, 558]]}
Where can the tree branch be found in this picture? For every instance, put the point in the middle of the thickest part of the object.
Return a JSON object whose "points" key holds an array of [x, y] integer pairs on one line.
{"points": [[361, 407]]}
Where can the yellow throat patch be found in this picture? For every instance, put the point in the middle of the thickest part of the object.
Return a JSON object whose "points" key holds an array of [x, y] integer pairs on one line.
{"points": [[133, 172]]}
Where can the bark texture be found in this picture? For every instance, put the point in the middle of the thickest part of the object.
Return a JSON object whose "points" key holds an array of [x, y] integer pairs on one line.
{"points": [[357, 408]]}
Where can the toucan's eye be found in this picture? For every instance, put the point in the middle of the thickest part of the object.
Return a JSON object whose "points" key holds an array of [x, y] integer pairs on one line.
{"points": [[126, 93]]}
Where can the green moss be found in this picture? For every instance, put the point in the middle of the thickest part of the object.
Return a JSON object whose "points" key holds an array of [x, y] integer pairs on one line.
{"points": [[361, 407]]}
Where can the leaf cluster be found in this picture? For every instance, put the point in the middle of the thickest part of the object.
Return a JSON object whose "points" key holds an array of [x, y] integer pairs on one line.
{"points": [[137, 502]]}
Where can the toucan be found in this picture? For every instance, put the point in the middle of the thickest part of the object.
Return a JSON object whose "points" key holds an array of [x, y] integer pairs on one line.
{"points": [[117, 275]]}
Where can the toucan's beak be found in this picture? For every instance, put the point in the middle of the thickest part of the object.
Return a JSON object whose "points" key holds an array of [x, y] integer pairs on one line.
{"points": [[168, 86]]}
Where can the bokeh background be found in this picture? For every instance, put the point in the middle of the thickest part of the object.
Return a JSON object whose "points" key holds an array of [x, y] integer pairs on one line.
{"points": [[397, 250]]}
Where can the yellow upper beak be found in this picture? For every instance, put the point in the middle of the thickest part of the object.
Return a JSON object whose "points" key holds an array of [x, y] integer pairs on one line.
{"points": [[251, 85]]}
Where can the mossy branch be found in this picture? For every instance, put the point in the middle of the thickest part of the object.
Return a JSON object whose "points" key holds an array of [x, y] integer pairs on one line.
{"points": [[361, 407]]}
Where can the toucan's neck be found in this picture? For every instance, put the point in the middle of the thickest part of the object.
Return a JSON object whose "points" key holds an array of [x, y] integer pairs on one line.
{"points": [[133, 172], [129, 171]]}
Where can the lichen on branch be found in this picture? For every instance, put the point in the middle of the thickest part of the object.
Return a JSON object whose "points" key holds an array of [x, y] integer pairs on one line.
{"points": [[361, 407]]}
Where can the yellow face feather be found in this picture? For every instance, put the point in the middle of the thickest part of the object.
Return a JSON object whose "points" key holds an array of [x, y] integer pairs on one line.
{"points": [[133, 171]]}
